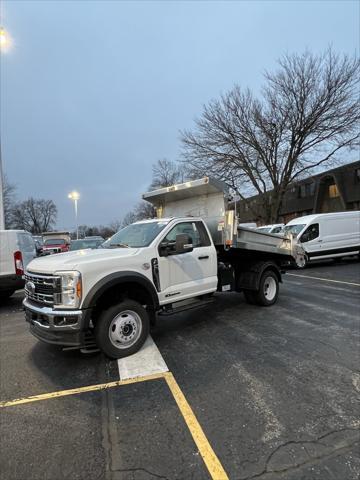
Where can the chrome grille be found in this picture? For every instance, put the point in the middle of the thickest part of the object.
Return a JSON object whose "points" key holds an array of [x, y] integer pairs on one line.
{"points": [[45, 288]]}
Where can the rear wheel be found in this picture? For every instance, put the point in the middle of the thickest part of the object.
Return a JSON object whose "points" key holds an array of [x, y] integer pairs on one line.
{"points": [[122, 329], [268, 289]]}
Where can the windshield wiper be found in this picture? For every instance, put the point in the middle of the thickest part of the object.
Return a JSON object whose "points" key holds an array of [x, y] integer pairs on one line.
{"points": [[122, 245]]}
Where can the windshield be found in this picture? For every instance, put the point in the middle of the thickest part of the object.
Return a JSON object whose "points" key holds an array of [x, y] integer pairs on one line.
{"points": [[54, 241], [136, 235], [264, 229], [296, 229]]}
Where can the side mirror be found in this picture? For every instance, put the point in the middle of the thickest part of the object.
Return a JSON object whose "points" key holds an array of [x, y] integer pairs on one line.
{"points": [[183, 243]]}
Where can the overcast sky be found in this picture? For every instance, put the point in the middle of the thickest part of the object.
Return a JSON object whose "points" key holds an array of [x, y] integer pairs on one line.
{"points": [[94, 92]]}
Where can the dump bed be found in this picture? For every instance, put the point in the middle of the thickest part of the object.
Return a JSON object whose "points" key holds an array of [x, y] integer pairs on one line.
{"points": [[208, 198]]}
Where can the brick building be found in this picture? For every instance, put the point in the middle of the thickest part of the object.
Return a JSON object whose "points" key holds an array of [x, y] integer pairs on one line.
{"points": [[334, 190]]}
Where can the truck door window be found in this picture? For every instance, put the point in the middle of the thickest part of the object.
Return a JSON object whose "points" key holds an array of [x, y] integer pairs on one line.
{"points": [[310, 233], [204, 237], [189, 228]]}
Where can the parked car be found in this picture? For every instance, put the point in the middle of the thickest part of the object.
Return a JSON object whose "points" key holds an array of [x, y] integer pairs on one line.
{"points": [[248, 225], [17, 249], [275, 228], [95, 237], [86, 243], [327, 235]]}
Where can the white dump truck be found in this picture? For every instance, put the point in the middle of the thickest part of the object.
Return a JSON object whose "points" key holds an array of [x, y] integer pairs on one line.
{"points": [[159, 266]]}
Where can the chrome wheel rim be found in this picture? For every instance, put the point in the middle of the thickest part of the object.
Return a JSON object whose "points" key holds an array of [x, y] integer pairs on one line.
{"points": [[269, 288], [125, 329]]}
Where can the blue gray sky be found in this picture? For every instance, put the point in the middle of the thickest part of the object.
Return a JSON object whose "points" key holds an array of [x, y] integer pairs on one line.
{"points": [[94, 92]]}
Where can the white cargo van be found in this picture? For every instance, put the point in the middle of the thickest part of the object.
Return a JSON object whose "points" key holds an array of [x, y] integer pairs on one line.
{"points": [[17, 249], [327, 235]]}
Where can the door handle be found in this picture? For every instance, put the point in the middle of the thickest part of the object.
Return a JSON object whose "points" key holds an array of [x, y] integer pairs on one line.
{"points": [[203, 257], [319, 241]]}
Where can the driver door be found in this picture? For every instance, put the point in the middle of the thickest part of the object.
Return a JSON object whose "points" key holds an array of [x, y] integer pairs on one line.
{"points": [[186, 275]]}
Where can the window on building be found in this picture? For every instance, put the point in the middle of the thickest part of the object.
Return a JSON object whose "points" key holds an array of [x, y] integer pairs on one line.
{"points": [[302, 192], [357, 174], [306, 190], [333, 191]]}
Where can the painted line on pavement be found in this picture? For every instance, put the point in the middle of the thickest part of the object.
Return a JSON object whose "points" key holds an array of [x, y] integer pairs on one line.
{"points": [[324, 279], [75, 391], [150, 360], [211, 461], [147, 361]]}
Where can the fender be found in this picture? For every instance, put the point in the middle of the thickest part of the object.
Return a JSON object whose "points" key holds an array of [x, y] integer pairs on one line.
{"points": [[117, 279]]}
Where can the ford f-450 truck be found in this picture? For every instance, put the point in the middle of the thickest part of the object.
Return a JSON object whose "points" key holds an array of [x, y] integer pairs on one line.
{"points": [[159, 266]]}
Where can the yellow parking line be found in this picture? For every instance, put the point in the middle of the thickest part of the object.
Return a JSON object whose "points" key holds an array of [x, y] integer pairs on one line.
{"points": [[75, 391], [208, 455]]}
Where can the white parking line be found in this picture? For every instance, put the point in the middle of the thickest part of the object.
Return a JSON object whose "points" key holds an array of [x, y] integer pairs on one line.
{"points": [[324, 279], [147, 361]]}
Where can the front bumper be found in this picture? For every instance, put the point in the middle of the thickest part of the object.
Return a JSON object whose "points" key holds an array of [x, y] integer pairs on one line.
{"points": [[60, 327]]}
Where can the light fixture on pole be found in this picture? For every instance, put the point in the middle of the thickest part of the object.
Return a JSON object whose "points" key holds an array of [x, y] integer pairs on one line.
{"points": [[75, 196]]}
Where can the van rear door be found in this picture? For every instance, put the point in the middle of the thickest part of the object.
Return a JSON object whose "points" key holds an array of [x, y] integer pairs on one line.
{"points": [[7, 266]]}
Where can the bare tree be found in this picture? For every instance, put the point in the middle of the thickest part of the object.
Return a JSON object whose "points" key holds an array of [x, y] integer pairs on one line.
{"points": [[165, 173], [9, 201], [35, 216], [115, 225], [144, 210], [307, 114], [129, 218]]}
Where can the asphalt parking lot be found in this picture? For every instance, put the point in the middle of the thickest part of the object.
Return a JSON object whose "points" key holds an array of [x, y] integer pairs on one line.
{"points": [[274, 392]]}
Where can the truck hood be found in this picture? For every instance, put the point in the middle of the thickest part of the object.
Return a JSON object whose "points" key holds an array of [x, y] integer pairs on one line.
{"points": [[74, 260]]}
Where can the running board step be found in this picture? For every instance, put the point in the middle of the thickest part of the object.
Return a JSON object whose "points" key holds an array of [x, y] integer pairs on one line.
{"points": [[183, 308]]}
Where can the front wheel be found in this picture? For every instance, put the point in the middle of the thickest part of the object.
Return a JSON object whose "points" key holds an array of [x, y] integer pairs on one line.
{"points": [[122, 329], [268, 289], [305, 264]]}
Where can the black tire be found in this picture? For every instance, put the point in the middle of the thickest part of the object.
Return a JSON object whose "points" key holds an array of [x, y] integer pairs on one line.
{"points": [[268, 289], [122, 329], [250, 296], [306, 262]]}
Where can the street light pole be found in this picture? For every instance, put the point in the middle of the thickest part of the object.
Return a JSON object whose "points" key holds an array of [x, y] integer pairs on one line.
{"points": [[4, 43], [75, 196], [2, 210]]}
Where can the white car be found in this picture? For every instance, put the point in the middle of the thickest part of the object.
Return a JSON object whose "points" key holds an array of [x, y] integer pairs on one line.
{"points": [[327, 235], [275, 228], [17, 249]]}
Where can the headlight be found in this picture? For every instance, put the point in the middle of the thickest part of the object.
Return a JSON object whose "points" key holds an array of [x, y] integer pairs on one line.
{"points": [[71, 289]]}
